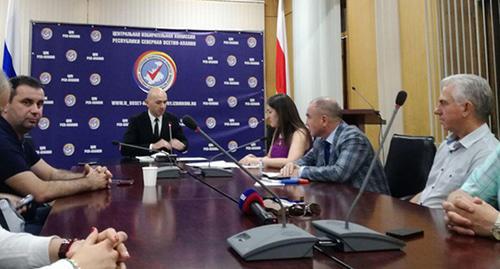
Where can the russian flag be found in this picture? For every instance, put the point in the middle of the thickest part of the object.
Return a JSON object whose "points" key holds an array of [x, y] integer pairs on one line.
{"points": [[11, 53], [282, 78]]}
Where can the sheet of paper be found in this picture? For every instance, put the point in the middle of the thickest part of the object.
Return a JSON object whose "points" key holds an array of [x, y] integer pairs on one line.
{"points": [[191, 159], [216, 164], [145, 159], [269, 182]]}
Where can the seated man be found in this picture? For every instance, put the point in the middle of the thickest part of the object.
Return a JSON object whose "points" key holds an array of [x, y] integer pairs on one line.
{"points": [[473, 209], [154, 129], [464, 106], [340, 153], [99, 250], [23, 171]]}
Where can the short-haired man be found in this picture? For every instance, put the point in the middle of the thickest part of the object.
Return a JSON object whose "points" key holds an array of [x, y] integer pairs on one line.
{"points": [[23, 171], [340, 153], [154, 129], [463, 109], [474, 208]]}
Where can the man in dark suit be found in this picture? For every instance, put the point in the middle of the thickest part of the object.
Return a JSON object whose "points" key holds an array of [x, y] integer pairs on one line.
{"points": [[154, 129]]}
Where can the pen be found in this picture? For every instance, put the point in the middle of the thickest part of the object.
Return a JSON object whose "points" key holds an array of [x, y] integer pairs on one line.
{"points": [[295, 181]]}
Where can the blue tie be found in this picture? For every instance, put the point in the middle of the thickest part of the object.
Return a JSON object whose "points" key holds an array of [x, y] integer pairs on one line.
{"points": [[326, 150]]}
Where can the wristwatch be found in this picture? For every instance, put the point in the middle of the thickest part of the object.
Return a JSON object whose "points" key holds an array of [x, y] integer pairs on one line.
{"points": [[495, 231], [64, 248]]}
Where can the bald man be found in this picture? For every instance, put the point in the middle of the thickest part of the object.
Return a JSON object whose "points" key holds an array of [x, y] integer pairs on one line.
{"points": [[341, 153], [154, 129]]}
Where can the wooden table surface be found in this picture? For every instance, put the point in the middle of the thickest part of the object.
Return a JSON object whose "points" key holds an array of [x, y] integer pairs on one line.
{"points": [[181, 223]]}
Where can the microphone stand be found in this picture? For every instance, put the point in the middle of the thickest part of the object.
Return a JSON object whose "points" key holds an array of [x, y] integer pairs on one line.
{"points": [[267, 242], [355, 237]]}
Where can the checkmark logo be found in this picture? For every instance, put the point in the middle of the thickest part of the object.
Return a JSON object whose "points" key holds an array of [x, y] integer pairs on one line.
{"points": [[152, 75]]}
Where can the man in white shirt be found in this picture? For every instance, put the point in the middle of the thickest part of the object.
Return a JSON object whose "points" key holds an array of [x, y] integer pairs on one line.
{"points": [[464, 106], [98, 251]]}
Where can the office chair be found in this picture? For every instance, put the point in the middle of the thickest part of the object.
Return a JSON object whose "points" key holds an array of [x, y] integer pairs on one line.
{"points": [[408, 164]]}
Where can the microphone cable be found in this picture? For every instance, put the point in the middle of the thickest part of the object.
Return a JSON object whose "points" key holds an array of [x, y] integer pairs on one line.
{"points": [[335, 259], [195, 176]]}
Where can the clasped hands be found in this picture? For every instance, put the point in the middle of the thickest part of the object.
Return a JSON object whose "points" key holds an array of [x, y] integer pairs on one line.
{"points": [[469, 215], [163, 144], [100, 175], [100, 250]]}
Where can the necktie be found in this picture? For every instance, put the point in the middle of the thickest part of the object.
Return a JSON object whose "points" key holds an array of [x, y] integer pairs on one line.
{"points": [[326, 148], [156, 132]]}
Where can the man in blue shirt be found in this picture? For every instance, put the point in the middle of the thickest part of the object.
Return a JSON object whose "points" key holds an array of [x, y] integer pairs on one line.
{"points": [[341, 152]]}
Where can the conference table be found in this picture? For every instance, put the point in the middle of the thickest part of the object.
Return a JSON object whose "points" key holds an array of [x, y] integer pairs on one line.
{"points": [[181, 223]]}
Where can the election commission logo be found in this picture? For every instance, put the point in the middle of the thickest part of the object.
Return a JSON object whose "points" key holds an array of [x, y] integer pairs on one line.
{"points": [[232, 145], [252, 82], [95, 36], [94, 123], [46, 33], [231, 60], [95, 79], [45, 78], [210, 40], [69, 149], [210, 81], [70, 100], [253, 122], [43, 123], [251, 42], [232, 101], [154, 69], [71, 55], [210, 122]]}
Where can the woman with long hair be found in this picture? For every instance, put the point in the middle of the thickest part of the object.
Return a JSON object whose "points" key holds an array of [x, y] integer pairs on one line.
{"points": [[291, 138]]}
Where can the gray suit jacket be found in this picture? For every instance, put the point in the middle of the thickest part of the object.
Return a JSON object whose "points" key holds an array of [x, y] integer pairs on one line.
{"points": [[350, 156]]}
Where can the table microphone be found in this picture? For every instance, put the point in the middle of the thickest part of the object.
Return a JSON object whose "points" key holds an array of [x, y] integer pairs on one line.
{"points": [[355, 237], [251, 203], [164, 171], [267, 242], [121, 144]]}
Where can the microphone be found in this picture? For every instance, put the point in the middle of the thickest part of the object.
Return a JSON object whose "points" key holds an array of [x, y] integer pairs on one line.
{"points": [[121, 144], [367, 102], [267, 242], [356, 237], [171, 171], [251, 203]]}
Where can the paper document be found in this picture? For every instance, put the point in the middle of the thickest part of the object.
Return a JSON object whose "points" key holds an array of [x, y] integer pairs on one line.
{"points": [[269, 182], [145, 159], [191, 159], [216, 164]]}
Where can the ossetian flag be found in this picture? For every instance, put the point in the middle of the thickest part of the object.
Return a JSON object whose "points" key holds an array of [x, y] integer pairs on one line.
{"points": [[11, 53], [282, 78]]}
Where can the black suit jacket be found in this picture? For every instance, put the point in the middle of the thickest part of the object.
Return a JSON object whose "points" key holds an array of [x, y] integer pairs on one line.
{"points": [[140, 133]]}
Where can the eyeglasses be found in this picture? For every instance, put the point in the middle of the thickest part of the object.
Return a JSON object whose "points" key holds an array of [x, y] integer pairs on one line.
{"points": [[304, 210]]}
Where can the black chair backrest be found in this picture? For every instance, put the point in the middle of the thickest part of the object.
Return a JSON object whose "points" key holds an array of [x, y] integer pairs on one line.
{"points": [[408, 164]]}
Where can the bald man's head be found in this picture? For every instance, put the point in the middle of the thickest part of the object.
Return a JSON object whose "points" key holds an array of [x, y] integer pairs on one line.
{"points": [[156, 101]]}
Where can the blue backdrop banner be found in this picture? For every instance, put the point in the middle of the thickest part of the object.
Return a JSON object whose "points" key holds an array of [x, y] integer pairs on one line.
{"points": [[96, 77]]}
